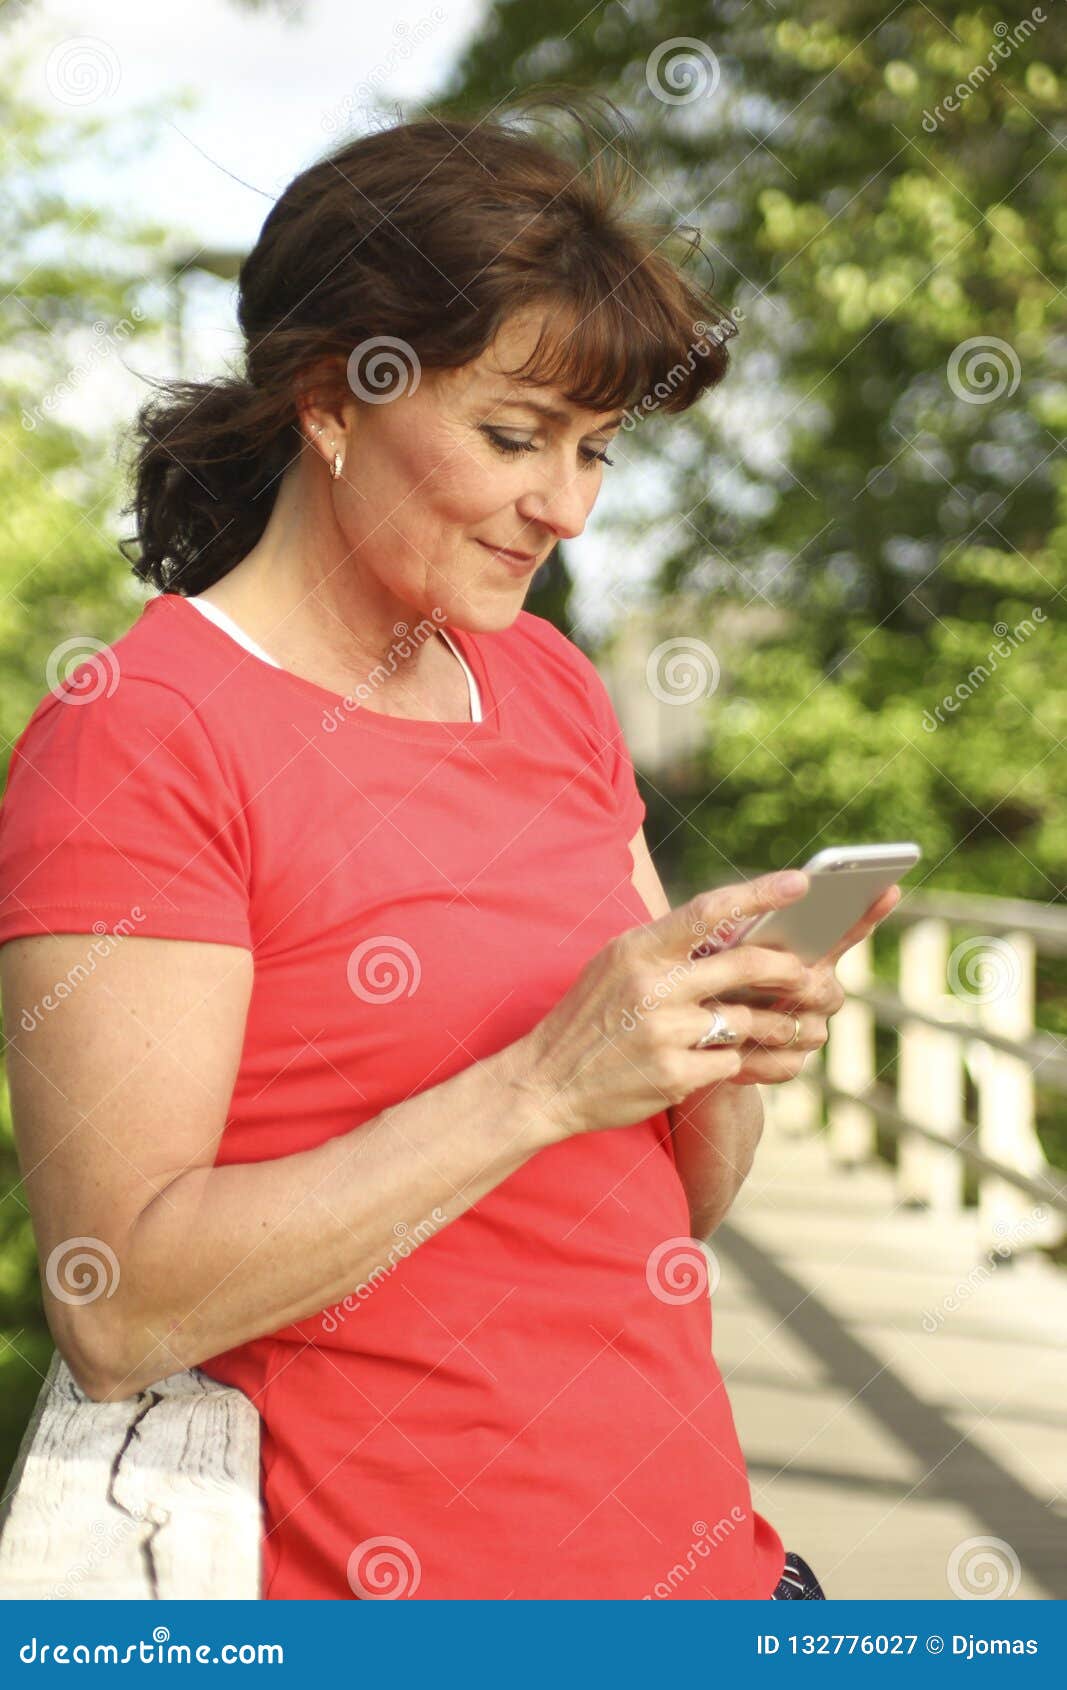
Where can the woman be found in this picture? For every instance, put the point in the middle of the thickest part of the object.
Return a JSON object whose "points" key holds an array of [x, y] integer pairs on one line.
{"points": [[378, 1094]]}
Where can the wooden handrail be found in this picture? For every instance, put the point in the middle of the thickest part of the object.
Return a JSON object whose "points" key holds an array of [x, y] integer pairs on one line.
{"points": [[879, 1099], [956, 1009]]}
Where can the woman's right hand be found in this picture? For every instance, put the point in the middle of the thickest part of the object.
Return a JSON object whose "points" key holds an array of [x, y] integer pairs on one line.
{"points": [[617, 1047]]}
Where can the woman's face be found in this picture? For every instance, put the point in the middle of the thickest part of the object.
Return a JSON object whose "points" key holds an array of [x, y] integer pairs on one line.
{"points": [[436, 477]]}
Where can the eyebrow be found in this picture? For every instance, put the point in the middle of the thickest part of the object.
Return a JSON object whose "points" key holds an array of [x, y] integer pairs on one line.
{"points": [[509, 401]]}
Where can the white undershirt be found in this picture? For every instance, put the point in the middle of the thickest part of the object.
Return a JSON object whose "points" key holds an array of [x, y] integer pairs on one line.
{"points": [[226, 622]]}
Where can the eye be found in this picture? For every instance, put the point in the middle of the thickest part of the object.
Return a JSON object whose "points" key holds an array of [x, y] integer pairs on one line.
{"points": [[505, 444]]}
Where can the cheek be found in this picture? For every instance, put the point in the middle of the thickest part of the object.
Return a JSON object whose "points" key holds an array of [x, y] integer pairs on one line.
{"points": [[462, 490]]}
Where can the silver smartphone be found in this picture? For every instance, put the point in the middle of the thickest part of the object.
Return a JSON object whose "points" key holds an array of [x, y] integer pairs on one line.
{"points": [[844, 881]]}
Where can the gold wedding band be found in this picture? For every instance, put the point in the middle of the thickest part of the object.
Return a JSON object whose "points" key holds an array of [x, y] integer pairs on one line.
{"points": [[796, 1032]]}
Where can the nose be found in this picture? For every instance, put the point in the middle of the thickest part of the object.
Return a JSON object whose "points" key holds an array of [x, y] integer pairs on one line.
{"points": [[562, 505]]}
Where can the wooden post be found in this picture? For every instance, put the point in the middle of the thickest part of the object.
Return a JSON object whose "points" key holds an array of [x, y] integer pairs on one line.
{"points": [[1009, 1218], [850, 1062], [156, 1496], [930, 1073], [794, 1109]]}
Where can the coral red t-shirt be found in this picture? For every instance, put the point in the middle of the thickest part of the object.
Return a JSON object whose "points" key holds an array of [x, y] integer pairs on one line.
{"points": [[526, 1405]]}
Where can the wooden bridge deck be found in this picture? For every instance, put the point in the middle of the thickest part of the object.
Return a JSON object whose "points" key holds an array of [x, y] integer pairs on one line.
{"points": [[878, 1448]]}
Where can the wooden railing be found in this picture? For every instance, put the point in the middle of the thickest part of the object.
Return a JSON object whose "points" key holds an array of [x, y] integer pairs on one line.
{"points": [[153, 1498], [962, 1010]]}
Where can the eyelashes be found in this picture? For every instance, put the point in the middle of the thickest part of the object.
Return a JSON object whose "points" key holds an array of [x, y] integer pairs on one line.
{"points": [[510, 447]]}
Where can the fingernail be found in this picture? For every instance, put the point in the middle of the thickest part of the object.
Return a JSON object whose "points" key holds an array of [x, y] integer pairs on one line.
{"points": [[793, 880]]}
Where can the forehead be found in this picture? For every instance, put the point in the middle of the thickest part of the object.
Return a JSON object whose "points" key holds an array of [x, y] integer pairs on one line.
{"points": [[491, 376]]}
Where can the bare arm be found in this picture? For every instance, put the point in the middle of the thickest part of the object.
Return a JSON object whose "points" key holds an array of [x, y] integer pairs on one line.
{"points": [[120, 1093], [717, 1128]]}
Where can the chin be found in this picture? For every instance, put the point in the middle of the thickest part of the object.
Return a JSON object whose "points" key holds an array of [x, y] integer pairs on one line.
{"points": [[490, 611]]}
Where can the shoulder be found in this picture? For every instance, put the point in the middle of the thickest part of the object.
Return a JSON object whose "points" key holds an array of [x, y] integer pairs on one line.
{"points": [[92, 715], [136, 692]]}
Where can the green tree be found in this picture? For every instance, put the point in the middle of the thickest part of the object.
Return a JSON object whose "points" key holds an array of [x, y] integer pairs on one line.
{"points": [[884, 462], [73, 294]]}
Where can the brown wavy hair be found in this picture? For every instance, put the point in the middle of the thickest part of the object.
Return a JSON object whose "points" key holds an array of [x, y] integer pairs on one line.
{"points": [[429, 233]]}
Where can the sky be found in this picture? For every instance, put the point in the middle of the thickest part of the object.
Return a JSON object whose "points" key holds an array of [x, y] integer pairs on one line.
{"points": [[244, 101]]}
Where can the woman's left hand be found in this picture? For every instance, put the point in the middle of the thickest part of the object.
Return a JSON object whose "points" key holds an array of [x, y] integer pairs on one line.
{"points": [[770, 1054]]}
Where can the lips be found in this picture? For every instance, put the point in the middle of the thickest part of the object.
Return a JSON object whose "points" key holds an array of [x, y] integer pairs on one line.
{"points": [[519, 557]]}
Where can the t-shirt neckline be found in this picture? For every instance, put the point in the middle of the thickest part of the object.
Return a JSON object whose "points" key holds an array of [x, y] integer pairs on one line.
{"points": [[341, 709]]}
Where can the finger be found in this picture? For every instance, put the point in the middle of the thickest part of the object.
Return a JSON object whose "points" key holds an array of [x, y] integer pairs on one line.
{"points": [[768, 1067], [775, 1028], [713, 920], [737, 1017], [869, 920], [743, 968]]}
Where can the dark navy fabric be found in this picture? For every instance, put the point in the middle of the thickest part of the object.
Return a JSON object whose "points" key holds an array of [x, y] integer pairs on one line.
{"points": [[797, 1583]]}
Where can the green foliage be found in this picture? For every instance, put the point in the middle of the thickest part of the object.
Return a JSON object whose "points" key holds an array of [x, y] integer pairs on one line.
{"points": [[848, 472], [72, 294]]}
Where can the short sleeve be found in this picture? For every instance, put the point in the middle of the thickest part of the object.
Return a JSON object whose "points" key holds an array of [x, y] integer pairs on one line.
{"points": [[116, 816], [617, 763]]}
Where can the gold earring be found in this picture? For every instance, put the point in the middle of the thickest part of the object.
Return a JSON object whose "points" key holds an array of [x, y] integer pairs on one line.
{"points": [[337, 463]]}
